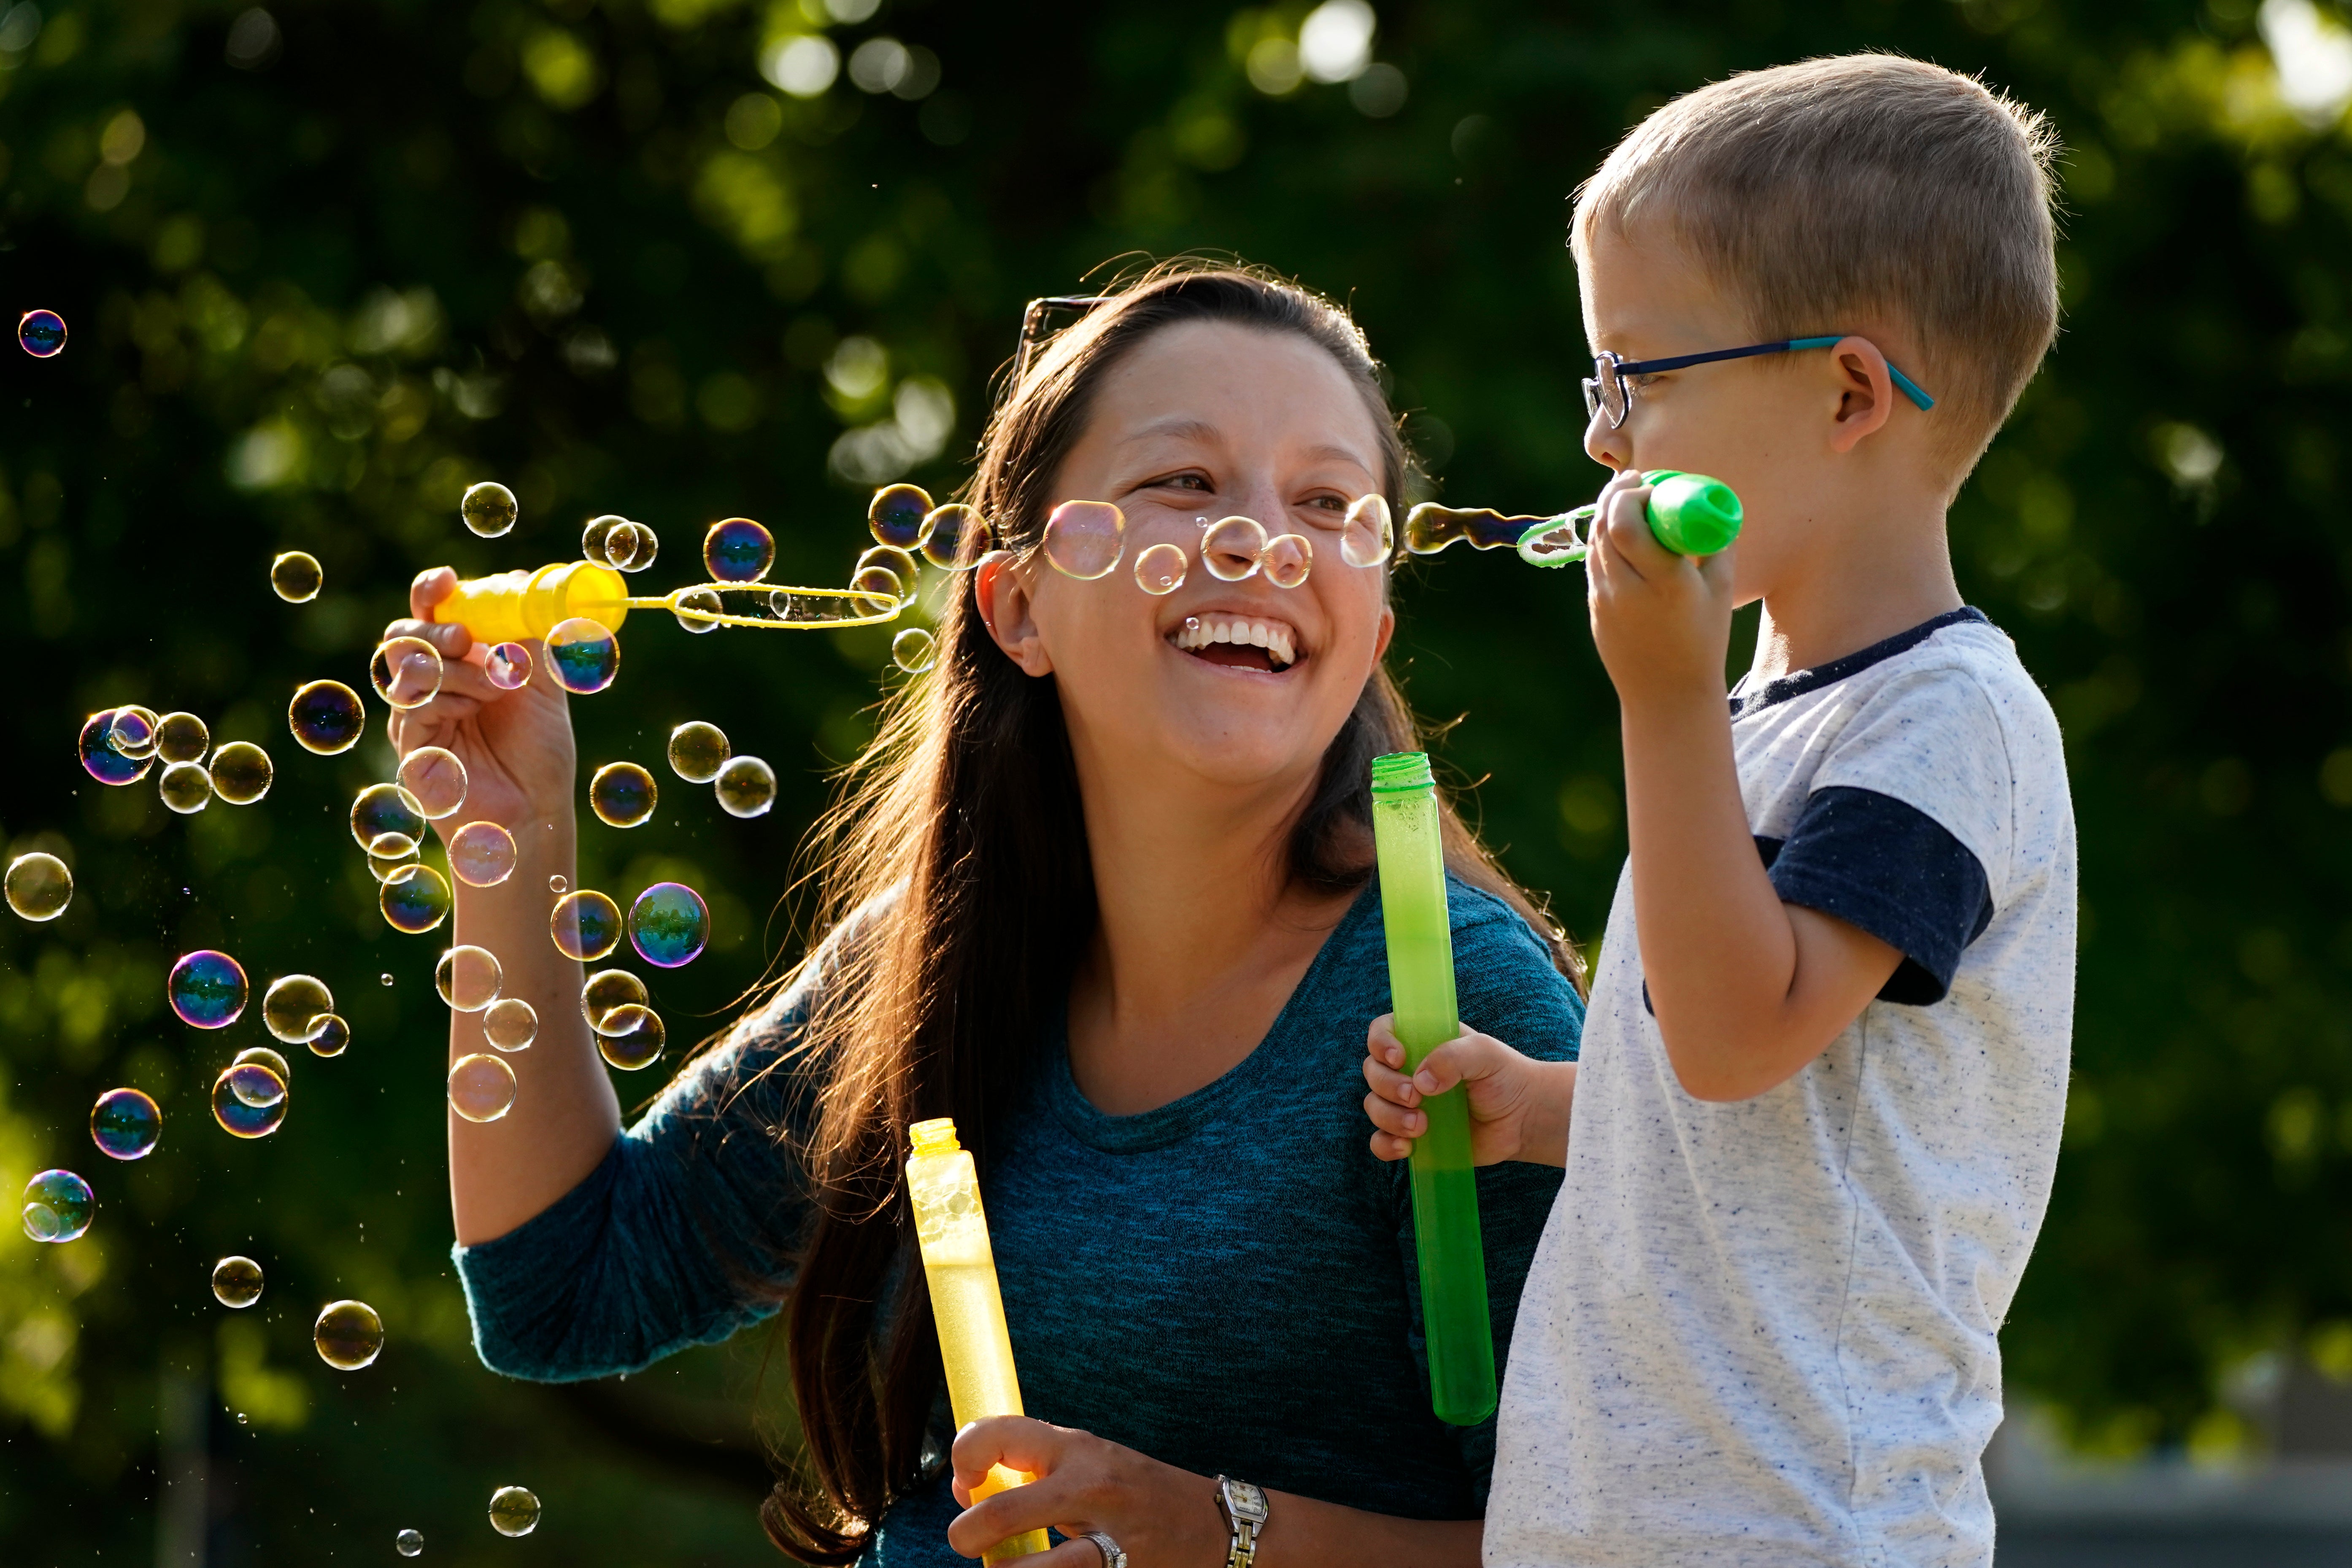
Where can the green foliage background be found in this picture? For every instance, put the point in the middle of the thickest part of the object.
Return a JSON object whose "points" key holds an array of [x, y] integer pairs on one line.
{"points": [[581, 246]]}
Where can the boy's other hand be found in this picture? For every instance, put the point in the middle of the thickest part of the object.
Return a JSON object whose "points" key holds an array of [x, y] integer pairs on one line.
{"points": [[1661, 621], [1519, 1106]]}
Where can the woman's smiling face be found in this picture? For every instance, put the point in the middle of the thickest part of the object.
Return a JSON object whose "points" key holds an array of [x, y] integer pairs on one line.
{"points": [[1237, 682]]}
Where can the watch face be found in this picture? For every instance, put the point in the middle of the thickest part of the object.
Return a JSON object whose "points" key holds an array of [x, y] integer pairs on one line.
{"points": [[1245, 1500]]}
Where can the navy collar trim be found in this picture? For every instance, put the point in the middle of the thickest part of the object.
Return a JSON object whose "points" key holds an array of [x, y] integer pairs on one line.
{"points": [[1852, 664]]}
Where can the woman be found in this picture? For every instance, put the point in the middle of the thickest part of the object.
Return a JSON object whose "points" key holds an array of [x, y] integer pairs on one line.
{"points": [[1101, 891]]}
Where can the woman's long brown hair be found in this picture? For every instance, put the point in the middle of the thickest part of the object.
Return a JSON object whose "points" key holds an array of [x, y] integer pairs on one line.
{"points": [[960, 832]]}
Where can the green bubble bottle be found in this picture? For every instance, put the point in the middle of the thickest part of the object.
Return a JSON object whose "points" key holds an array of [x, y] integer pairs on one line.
{"points": [[1690, 514], [957, 1261], [1444, 1183]]}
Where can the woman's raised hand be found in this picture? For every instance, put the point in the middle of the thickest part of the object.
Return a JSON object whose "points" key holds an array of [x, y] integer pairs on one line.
{"points": [[517, 745], [1157, 1513]]}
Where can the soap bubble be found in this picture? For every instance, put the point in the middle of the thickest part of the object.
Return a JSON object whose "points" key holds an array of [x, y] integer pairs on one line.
{"points": [[897, 514], [697, 750], [1289, 558], [387, 821], [408, 1542], [414, 901], [488, 509], [41, 333], [586, 925], [507, 667], [914, 650], [481, 1087], [206, 989], [185, 787], [1430, 528], [334, 1036], [182, 737], [556, 884], [125, 1123], [893, 560], [481, 853], [469, 978], [1233, 547], [384, 868], [632, 1038], [695, 606], [511, 1023], [39, 886], [296, 577], [99, 757], [669, 925], [879, 582], [737, 551], [254, 1085], [236, 1282], [1368, 536], [631, 547], [593, 537], [955, 537], [1161, 569], [132, 733], [241, 772], [294, 1008], [435, 778], [746, 786], [58, 1206], [267, 1058], [513, 1511], [606, 990], [582, 656], [326, 717], [349, 1336], [405, 672], [237, 1115], [622, 794], [1084, 538]]}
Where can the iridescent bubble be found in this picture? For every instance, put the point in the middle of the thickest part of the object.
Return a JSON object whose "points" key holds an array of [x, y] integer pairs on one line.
{"points": [[507, 667], [586, 925], [697, 750], [1289, 558], [737, 551], [591, 538], [182, 737], [294, 1008], [582, 656], [631, 1037], [41, 333], [99, 757], [556, 884], [132, 732], [488, 509], [695, 606], [405, 672], [1233, 547], [237, 1115], [513, 1511], [914, 650], [1084, 538], [384, 868], [241, 772], [185, 787], [326, 717], [511, 1023], [435, 778], [206, 989], [481, 1087], [1430, 528], [893, 560], [349, 1336], [607, 989], [125, 1123], [39, 886], [481, 853], [236, 1282], [469, 978], [897, 515], [746, 786], [408, 1542], [622, 794], [266, 1057], [254, 1085], [879, 582], [631, 547], [1368, 536], [1161, 569], [387, 821], [58, 1206], [414, 901], [669, 925], [334, 1037], [955, 537], [296, 577]]}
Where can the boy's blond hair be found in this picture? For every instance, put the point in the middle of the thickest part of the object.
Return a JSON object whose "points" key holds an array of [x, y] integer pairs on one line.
{"points": [[1863, 185]]}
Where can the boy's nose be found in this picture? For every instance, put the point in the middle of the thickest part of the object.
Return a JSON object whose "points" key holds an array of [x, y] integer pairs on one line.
{"points": [[1604, 446]]}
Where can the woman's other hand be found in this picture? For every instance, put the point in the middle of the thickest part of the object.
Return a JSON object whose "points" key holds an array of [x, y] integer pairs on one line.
{"points": [[1519, 1106], [1160, 1516]]}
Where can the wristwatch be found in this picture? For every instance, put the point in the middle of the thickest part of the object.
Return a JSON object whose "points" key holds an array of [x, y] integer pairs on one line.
{"points": [[1244, 1507]]}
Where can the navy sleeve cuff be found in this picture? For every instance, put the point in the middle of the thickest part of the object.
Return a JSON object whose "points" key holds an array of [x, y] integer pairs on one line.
{"points": [[1891, 869]]}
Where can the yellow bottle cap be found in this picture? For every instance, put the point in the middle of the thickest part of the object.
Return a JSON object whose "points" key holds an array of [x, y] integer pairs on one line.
{"points": [[937, 1137]]}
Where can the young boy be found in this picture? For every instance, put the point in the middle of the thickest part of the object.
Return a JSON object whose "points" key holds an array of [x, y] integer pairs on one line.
{"points": [[1812, 1134]]}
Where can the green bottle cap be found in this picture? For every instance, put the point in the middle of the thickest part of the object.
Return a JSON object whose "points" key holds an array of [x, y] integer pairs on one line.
{"points": [[1692, 514], [1400, 773]]}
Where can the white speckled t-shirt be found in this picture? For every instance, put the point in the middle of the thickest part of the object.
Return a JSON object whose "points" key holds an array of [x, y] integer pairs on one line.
{"points": [[1768, 1332]]}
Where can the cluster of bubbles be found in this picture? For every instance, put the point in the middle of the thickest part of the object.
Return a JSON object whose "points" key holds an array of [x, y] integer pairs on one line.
{"points": [[699, 753], [123, 745], [251, 1096], [617, 543], [1086, 540]]}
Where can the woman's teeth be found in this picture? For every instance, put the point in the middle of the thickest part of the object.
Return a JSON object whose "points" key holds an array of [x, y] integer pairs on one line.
{"points": [[1278, 640]]}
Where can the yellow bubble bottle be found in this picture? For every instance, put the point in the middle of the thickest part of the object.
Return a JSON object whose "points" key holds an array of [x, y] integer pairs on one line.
{"points": [[945, 1189], [513, 606]]}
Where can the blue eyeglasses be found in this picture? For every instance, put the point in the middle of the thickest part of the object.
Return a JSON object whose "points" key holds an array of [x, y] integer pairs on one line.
{"points": [[1608, 390]]}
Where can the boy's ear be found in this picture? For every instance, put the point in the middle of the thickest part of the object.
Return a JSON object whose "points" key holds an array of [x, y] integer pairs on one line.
{"points": [[1866, 393]]}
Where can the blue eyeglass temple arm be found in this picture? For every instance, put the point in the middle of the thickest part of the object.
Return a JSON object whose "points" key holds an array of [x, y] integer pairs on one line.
{"points": [[1902, 383]]}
